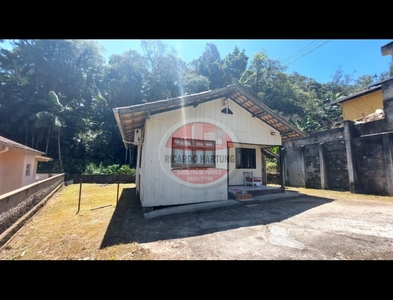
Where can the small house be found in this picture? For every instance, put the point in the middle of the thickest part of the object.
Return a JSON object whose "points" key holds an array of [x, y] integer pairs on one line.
{"points": [[193, 148], [359, 105], [18, 165]]}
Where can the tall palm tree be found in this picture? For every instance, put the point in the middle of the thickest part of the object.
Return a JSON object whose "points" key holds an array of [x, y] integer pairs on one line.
{"points": [[54, 118]]}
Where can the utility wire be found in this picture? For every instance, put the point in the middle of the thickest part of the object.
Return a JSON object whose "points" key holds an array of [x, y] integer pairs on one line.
{"points": [[298, 51], [320, 45]]}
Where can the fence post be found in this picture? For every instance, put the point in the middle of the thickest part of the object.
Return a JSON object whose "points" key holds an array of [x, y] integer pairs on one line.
{"points": [[80, 193]]}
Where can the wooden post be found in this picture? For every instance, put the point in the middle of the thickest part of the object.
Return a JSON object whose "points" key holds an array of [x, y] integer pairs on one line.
{"points": [[282, 175], [80, 193], [117, 197], [264, 172], [118, 182]]}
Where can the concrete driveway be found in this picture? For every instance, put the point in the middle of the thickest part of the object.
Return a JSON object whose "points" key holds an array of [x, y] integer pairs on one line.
{"points": [[279, 228]]}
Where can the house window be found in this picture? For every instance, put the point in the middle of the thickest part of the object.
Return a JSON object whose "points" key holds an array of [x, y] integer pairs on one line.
{"points": [[193, 153], [28, 169], [245, 158]]}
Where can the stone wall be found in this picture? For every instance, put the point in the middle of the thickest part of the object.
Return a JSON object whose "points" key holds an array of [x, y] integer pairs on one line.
{"points": [[336, 166], [371, 167], [15, 204], [358, 163], [305, 159], [358, 158]]}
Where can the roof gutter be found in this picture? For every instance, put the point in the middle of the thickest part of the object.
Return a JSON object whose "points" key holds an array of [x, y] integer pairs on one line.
{"points": [[5, 149], [43, 158]]}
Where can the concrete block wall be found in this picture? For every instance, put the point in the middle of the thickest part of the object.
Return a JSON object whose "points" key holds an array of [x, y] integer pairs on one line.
{"points": [[15, 204]]}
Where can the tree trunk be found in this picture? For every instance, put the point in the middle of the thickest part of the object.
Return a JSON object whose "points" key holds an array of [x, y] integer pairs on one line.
{"points": [[39, 138], [26, 136], [58, 147], [32, 140], [47, 142]]}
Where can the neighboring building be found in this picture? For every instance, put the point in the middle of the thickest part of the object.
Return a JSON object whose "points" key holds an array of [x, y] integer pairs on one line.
{"points": [[361, 104], [192, 148], [357, 157], [367, 103], [18, 165], [387, 49]]}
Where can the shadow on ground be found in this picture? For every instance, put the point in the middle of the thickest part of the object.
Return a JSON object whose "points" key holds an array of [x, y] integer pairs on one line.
{"points": [[128, 224]]}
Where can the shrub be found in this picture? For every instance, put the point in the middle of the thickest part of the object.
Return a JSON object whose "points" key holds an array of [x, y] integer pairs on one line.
{"points": [[115, 169], [111, 170], [91, 169], [272, 165], [126, 170]]}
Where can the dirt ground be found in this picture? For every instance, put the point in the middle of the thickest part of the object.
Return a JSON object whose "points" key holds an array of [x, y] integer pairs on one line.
{"points": [[323, 225]]}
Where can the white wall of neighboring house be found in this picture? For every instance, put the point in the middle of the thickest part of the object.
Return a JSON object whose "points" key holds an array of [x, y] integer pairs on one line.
{"points": [[18, 168], [28, 175], [157, 188], [12, 163]]}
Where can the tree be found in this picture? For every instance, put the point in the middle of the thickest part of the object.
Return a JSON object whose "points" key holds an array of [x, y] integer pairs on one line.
{"points": [[124, 79], [166, 71], [280, 95], [307, 124], [55, 117], [261, 72], [234, 65], [70, 71], [194, 83], [209, 65]]}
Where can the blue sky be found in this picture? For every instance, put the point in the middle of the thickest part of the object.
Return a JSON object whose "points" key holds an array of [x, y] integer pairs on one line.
{"points": [[318, 59]]}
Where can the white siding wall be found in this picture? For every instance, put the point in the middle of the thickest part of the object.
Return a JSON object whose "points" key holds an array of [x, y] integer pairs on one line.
{"points": [[157, 185], [251, 130], [236, 175]]}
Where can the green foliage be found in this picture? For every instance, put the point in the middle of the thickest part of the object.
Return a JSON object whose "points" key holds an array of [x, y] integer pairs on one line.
{"points": [[272, 165], [209, 65], [57, 96], [126, 170], [115, 169], [275, 150], [307, 124], [194, 83], [92, 169], [234, 65], [261, 72]]}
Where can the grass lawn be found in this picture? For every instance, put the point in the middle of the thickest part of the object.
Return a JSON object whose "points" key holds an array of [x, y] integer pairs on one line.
{"points": [[58, 232]]}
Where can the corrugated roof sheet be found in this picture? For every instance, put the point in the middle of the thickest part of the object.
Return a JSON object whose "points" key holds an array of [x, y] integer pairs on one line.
{"points": [[133, 117]]}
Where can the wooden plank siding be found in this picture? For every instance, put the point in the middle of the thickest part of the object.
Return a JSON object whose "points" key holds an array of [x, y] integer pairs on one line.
{"points": [[157, 188]]}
